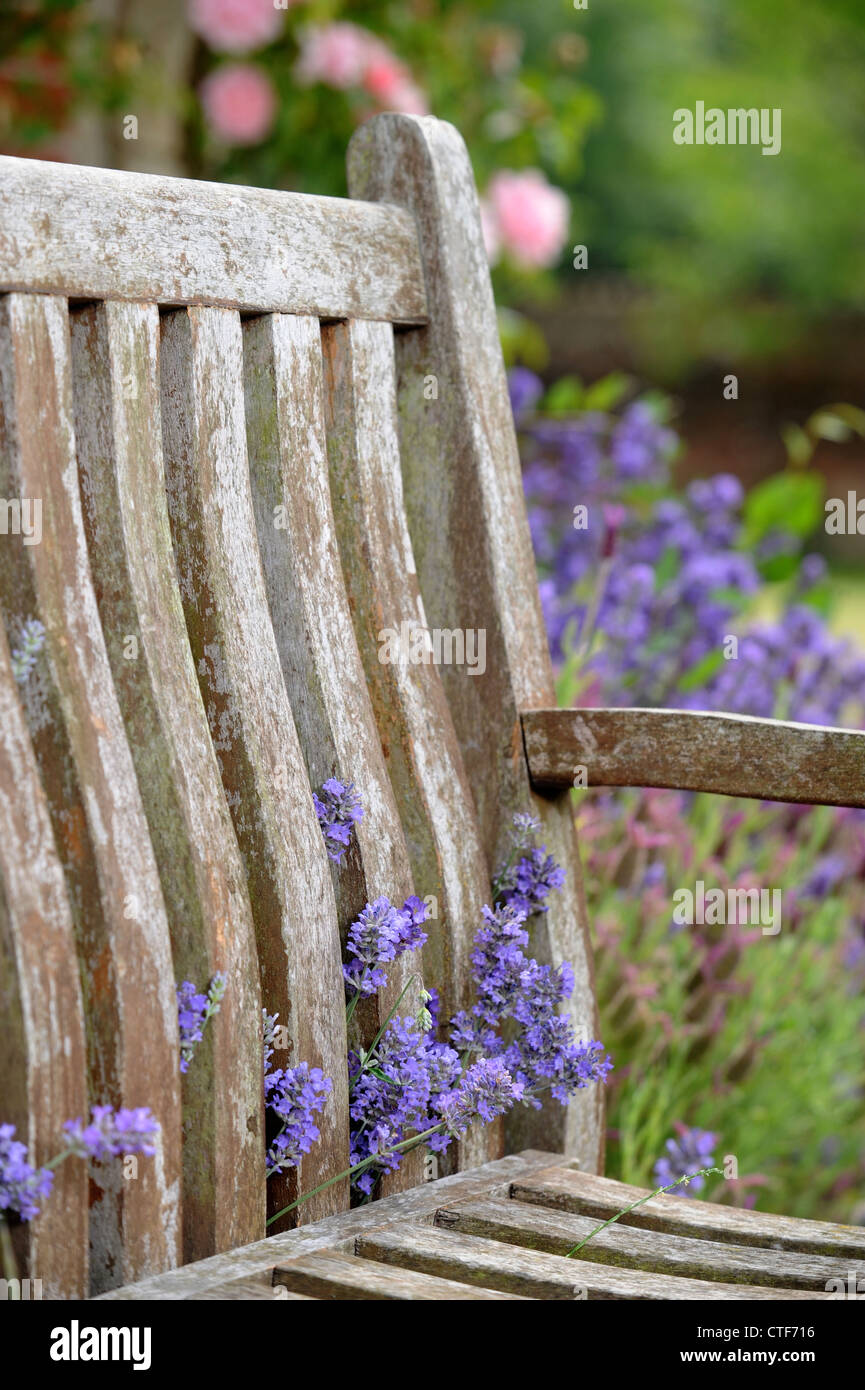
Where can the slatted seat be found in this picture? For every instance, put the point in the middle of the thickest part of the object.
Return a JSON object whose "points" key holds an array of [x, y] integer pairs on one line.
{"points": [[265, 430], [504, 1229]]}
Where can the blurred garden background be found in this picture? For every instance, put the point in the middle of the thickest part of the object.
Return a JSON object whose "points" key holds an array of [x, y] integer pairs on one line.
{"points": [[705, 501]]}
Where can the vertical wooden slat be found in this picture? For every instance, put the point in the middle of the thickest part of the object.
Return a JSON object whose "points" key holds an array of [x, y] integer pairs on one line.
{"points": [[413, 719], [93, 798], [251, 723], [118, 429], [314, 635], [43, 1077], [467, 520]]}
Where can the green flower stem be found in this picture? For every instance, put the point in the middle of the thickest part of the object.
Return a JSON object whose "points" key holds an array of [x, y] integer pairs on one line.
{"points": [[359, 1168], [689, 1177], [374, 1044]]}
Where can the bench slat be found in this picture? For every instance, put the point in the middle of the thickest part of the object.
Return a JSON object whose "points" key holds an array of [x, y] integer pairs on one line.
{"points": [[251, 722], [331, 1275], [314, 634], [633, 1248], [512, 1269], [107, 234], [414, 723], [688, 750], [93, 797], [118, 428], [42, 1074], [468, 526], [563, 1189]]}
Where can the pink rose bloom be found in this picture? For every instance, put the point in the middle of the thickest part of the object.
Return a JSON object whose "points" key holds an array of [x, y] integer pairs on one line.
{"points": [[235, 26], [388, 81], [345, 55], [338, 55], [531, 215], [239, 103]]}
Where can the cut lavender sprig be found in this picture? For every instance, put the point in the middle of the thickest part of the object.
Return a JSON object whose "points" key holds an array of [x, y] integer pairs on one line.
{"points": [[24, 656], [338, 809], [194, 1011], [686, 1155], [111, 1133], [22, 1187]]}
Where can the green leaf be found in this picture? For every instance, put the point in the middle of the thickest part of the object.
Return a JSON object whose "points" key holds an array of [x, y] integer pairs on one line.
{"points": [[667, 567], [606, 393], [827, 425], [704, 669], [798, 444], [788, 501], [565, 397]]}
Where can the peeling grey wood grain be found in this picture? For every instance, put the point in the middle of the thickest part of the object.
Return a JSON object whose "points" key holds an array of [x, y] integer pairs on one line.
{"points": [[564, 1189], [225, 602], [106, 234], [118, 428], [515, 1269], [260, 1259], [631, 1248], [690, 750], [42, 1056], [417, 735], [93, 797], [334, 1276], [318, 650], [470, 535]]}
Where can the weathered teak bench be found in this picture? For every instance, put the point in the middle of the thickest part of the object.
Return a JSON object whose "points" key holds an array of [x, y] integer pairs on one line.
{"points": [[263, 428]]}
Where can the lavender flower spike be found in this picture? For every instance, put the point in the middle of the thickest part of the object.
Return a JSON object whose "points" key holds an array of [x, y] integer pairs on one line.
{"points": [[694, 1149], [111, 1133], [25, 654], [486, 1090], [338, 809], [21, 1185], [193, 1012]]}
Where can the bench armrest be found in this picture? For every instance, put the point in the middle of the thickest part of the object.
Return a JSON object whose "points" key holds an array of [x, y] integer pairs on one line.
{"points": [[687, 750]]}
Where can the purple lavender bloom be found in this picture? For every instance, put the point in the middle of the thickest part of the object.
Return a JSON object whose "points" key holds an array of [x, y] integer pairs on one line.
{"points": [[525, 389], [692, 1150], [338, 809], [25, 654], [396, 1097], [825, 876], [524, 829], [111, 1133], [527, 884], [486, 1090], [294, 1095], [22, 1186], [193, 1012], [380, 934], [640, 447]]}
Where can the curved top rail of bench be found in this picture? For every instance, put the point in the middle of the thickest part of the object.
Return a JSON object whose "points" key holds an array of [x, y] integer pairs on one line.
{"points": [[690, 750], [105, 234]]}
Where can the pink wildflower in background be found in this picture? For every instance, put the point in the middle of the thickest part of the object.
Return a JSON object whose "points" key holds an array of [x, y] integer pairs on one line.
{"points": [[528, 217], [345, 56], [239, 103], [235, 26]]}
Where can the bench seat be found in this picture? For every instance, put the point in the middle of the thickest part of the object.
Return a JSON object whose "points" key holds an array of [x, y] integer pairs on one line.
{"points": [[503, 1230]]}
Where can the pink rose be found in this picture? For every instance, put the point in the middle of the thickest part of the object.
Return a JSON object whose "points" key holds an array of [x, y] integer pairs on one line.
{"points": [[531, 216], [388, 81], [345, 55], [235, 26], [338, 55], [239, 103]]}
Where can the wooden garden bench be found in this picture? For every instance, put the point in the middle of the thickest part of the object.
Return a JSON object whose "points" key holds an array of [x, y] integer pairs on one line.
{"points": [[258, 430]]}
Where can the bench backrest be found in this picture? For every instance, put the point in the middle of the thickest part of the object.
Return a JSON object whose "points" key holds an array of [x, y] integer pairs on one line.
{"points": [[257, 430]]}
